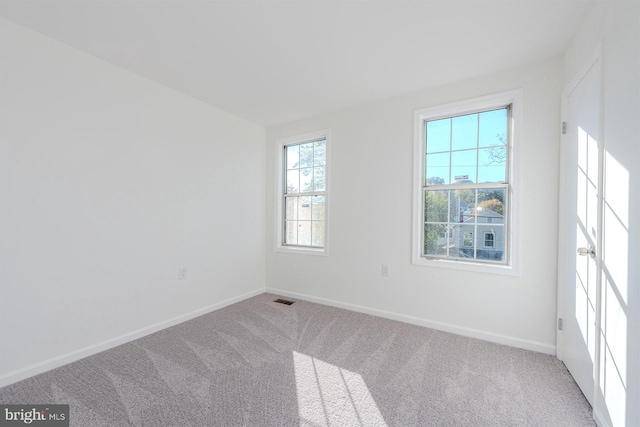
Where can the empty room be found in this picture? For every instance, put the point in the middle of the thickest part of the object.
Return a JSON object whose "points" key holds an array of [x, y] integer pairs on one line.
{"points": [[319, 213]]}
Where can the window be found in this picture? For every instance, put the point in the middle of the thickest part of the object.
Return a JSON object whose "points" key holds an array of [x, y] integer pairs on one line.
{"points": [[302, 190], [468, 239], [464, 190], [489, 239]]}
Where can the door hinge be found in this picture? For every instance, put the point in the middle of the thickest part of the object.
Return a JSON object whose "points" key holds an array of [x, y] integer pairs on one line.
{"points": [[560, 325], [564, 128]]}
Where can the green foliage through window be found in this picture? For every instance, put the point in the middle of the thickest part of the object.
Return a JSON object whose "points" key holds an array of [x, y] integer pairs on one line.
{"points": [[465, 186]]}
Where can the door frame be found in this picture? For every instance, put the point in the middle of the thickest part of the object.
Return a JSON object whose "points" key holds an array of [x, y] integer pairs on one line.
{"points": [[566, 246]]}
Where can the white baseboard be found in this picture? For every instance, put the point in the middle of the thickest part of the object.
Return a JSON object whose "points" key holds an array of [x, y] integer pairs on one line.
{"points": [[459, 330], [56, 362], [601, 419]]}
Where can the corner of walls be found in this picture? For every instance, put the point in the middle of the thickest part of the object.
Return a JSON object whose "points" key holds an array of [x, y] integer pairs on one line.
{"points": [[64, 359], [110, 184], [370, 205]]}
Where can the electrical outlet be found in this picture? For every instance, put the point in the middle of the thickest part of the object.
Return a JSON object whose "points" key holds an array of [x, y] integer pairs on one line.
{"points": [[385, 270], [182, 273]]}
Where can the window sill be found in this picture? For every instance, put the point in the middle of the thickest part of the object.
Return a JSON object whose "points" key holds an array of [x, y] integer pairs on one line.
{"points": [[301, 250], [506, 270]]}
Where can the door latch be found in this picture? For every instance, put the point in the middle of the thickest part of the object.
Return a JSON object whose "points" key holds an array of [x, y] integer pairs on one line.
{"points": [[591, 251]]}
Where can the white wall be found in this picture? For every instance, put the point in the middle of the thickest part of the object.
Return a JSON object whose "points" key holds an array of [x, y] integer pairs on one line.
{"points": [[370, 219], [108, 184], [616, 26]]}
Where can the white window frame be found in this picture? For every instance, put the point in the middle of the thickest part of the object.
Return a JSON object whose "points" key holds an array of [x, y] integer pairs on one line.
{"points": [[280, 188], [494, 101]]}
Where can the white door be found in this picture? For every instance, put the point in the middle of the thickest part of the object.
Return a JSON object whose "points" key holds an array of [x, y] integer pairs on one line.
{"points": [[579, 231]]}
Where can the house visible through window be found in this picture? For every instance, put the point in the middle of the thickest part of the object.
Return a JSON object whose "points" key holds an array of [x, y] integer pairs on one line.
{"points": [[303, 194], [466, 186]]}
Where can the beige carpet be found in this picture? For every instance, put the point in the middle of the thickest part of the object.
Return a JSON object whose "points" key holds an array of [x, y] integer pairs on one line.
{"points": [[259, 363]]}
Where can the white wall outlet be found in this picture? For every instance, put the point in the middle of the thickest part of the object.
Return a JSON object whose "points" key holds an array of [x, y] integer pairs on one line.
{"points": [[182, 273], [385, 270]]}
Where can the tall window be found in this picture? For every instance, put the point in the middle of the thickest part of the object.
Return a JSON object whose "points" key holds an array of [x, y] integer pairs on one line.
{"points": [[465, 182], [303, 194]]}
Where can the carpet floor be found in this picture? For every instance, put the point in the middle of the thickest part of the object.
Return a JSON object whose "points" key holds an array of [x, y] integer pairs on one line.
{"points": [[261, 363]]}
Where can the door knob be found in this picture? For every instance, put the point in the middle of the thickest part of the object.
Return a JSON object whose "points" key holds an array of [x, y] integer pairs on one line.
{"points": [[591, 251]]}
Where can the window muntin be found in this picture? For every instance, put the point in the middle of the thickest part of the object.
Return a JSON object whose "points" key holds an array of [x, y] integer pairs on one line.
{"points": [[462, 148], [304, 194], [465, 186]]}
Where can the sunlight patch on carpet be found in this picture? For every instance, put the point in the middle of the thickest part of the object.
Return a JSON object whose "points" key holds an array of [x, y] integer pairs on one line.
{"points": [[331, 396]]}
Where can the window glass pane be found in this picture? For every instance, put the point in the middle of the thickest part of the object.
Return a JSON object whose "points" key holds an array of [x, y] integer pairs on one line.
{"points": [[488, 239], [463, 238], [494, 243], [436, 206], [438, 168], [306, 155], [317, 208], [491, 204], [492, 164], [463, 166], [291, 232], [304, 233], [464, 132], [435, 239], [292, 156], [467, 239], [304, 208], [318, 179], [438, 135], [493, 128], [317, 233], [320, 153], [293, 181], [306, 180], [461, 205], [291, 208]]}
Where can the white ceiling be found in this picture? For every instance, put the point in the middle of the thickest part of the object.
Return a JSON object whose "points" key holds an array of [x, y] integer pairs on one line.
{"points": [[276, 61]]}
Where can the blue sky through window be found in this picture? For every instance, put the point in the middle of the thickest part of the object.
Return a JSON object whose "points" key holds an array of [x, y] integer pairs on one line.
{"points": [[472, 146]]}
